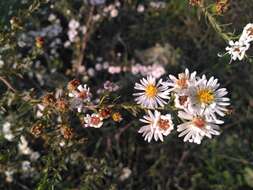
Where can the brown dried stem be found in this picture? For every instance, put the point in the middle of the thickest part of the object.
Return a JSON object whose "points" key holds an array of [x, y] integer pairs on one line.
{"points": [[89, 25], [7, 84]]}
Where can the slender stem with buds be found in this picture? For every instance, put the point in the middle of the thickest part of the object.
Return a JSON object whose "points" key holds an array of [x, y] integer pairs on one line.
{"points": [[214, 23]]}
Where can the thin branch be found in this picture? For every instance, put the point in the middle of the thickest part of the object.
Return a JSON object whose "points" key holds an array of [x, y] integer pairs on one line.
{"points": [[88, 25], [7, 84]]}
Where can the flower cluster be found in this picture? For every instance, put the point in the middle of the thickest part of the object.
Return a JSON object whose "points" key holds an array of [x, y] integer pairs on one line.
{"points": [[199, 103], [73, 30], [238, 48], [156, 70], [81, 100]]}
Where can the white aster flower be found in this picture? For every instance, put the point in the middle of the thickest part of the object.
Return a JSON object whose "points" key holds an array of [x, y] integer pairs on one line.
{"points": [[40, 110], [34, 156], [125, 174], [153, 94], [72, 35], [8, 135], [73, 24], [140, 8], [94, 120], [111, 86], [237, 49], [181, 84], [81, 94], [6, 127], [181, 101], [9, 175], [207, 97], [26, 166], [23, 146], [157, 126], [114, 13], [247, 34], [196, 127]]}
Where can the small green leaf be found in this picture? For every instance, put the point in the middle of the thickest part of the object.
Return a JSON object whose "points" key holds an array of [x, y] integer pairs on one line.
{"points": [[248, 176]]}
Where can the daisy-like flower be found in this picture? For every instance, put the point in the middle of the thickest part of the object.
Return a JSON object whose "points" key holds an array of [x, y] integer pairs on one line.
{"points": [[157, 126], [247, 34], [181, 101], [73, 24], [81, 94], [237, 49], [181, 84], [93, 120], [23, 146], [196, 127], [206, 96], [153, 94]]}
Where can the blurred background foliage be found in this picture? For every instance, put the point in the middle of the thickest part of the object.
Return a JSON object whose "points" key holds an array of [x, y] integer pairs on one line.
{"points": [[179, 36]]}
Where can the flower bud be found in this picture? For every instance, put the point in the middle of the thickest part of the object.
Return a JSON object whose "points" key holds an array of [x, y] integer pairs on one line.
{"points": [[117, 117], [105, 113], [61, 105], [67, 132], [37, 129], [48, 100], [72, 85], [39, 42]]}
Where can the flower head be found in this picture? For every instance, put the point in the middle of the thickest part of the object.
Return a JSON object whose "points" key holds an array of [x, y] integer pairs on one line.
{"points": [[247, 34], [37, 129], [73, 24], [73, 84], [39, 42], [181, 101], [157, 126], [181, 84], [7, 132], [93, 120], [110, 86], [48, 99], [81, 94], [237, 49], [221, 6], [117, 117], [196, 127], [105, 112], [207, 97], [67, 132], [61, 105], [23, 146], [153, 94]]}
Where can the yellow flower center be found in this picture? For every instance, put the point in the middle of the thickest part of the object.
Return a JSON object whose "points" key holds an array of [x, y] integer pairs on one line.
{"points": [[205, 96], [199, 122], [151, 91]]}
